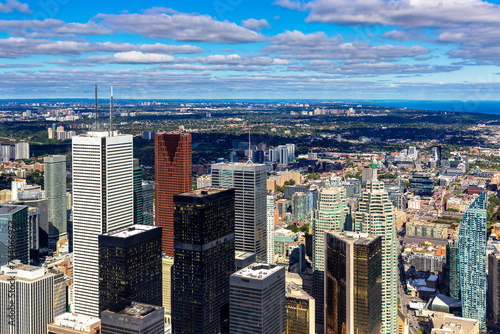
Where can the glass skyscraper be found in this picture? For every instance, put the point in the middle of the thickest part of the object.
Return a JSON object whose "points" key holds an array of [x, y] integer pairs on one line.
{"points": [[472, 252], [138, 217], [14, 230], [55, 192]]}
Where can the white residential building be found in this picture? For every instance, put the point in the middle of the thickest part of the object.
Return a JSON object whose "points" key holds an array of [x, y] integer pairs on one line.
{"points": [[282, 152], [102, 202], [270, 228], [22, 150]]}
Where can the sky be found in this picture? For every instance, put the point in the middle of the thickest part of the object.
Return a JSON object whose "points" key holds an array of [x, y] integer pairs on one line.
{"points": [[251, 49]]}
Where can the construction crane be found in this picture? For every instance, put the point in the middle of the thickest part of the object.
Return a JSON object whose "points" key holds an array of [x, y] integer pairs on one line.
{"points": [[58, 293]]}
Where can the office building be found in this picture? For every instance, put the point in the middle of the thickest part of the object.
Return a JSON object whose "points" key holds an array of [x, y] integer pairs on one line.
{"points": [[330, 215], [233, 156], [272, 155], [55, 193], [249, 181], [291, 152], [33, 301], [173, 169], [103, 201], [494, 285], [442, 323], [33, 199], [60, 292], [22, 150], [376, 216], [452, 271], [204, 259], [147, 203], [204, 181], [368, 174], [258, 157], [133, 318], [130, 266], [69, 323], [257, 300], [292, 189], [243, 259], [472, 257], [436, 154], [422, 185], [271, 204], [15, 233], [300, 209], [300, 310], [138, 217], [166, 264], [353, 283]]}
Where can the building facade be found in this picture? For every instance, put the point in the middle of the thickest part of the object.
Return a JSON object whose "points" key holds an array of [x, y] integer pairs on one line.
{"points": [[300, 310], [166, 263], [173, 170], [271, 207], [55, 192], [472, 258], [452, 271], [203, 260], [376, 216], [353, 283], [69, 323], [102, 202], [494, 285], [257, 300], [138, 216], [148, 203], [14, 233], [249, 181], [130, 266], [132, 317]]}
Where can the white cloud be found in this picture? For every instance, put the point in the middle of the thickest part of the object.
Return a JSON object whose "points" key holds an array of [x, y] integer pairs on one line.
{"points": [[14, 5], [254, 24], [290, 4], [131, 57]]}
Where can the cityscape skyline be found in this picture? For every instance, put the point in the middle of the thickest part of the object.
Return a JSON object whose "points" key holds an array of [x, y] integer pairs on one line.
{"points": [[295, 49]]}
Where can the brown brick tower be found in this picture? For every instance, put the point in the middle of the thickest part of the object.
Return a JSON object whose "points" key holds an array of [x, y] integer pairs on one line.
{"points": [[173, 176]]}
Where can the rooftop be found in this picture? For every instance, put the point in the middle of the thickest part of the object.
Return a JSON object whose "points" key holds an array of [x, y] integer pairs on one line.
{"points": [[133, 309], [203, 191], [293, 290], [129, 231], [76, 322], [358, 238], [443, 323], [22, 272], [258, 271], [11, 209], [240, 255]]}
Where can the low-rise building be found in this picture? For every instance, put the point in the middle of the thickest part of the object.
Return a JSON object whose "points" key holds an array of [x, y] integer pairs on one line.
{"points": [[441, 323], [69, 323]]}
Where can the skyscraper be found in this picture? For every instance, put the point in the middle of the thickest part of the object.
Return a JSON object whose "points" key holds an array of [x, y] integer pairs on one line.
{"points": [[291, 152], [300, 208], [103, 201], [270, 228], [167, 263], [257, 300], [376, 216], [249, 181], [282, 152], [55, 192], [330, 215], [34, 299], [173, 170], [472, 257], [130, 266], [22, 150], [138, 218], [452, 271], [300, 310], [494, 285], [203, 261], [147, 203], [353, 277], [14, 233], [132, 317]]}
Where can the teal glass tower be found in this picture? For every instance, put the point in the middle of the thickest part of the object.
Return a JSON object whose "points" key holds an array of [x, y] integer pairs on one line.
{"points": [[138, 199], [472, 252]]}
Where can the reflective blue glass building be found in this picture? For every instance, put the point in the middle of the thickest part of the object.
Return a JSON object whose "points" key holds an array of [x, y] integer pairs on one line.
{"points": [[472, 252]]}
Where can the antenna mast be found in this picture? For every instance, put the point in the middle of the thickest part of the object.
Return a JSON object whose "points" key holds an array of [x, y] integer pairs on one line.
{"points": [[111, 113], [249, 145], [96, 124]]}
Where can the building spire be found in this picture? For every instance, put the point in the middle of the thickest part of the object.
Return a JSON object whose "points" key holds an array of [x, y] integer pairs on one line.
{"points": [[111, 113], [96, 123]]}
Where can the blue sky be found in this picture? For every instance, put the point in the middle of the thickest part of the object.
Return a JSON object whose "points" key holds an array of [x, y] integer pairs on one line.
{"points": [[254, 49]]}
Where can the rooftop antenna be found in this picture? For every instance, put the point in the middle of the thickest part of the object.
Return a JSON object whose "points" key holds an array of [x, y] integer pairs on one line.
{"points": [[111, 113], [96, 124], [249, 145]]}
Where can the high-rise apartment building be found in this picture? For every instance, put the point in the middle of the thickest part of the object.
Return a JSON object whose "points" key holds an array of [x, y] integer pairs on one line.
{"points": [[173, 170], [133, 318], [69, 323], [130, 266], [257, 300], [452, 271], [291, 152], [353, 283], [204, 260], [148, 203], [33, 302], [22, 150], [271, 204], [282, 152], [300, 310], [494, 285], [138, 218], [472, 239], [55, 193], [103, 201], [330, 215], [249, 181], [376, 216], [300, 208], [15, 233], [166, 263]]}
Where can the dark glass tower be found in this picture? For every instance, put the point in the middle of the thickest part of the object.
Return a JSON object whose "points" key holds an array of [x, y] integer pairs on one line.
{"points": [[14, 231], [203, 260], [353, 277], [137, 193], [130, 266], [452, 271]]}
